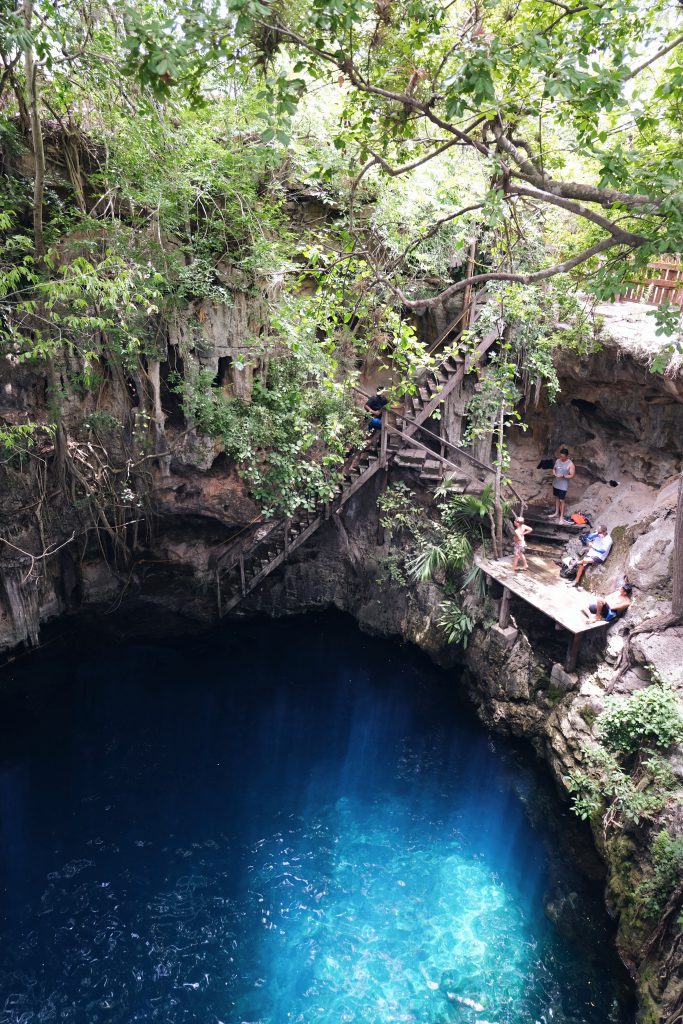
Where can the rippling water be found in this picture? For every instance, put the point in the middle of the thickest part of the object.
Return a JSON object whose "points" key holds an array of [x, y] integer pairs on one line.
{"points": [[285, 822]]}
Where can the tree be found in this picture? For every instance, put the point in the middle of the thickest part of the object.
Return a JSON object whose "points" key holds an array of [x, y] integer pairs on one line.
{"points": [[517, 85]]}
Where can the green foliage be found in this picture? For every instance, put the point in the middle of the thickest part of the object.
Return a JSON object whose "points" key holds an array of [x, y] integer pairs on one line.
{"points": [[18, 440], [651, 717], [607, 785], [290, 440], [462, 512], [452, 553], [101, 421], [626, 772], [653, 894], [400, 512], [75, 298], [456, 623]]}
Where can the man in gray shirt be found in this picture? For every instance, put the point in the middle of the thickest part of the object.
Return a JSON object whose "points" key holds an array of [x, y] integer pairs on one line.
{"points": [[563, 471]]}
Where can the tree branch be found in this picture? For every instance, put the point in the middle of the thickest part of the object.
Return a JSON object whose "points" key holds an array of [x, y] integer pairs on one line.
{"points": [[618, 234], [420, 305], [394, 172], [646, 63]]}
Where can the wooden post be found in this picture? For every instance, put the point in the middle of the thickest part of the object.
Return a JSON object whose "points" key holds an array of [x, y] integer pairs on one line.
{"points": [[381, 532], [504, 613], [287, 524], [468, 305], [243, 576], [573, 648], [383, 444]]}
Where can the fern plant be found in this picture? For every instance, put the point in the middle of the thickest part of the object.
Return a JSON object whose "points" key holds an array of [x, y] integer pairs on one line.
{"points": [[455, 622], [454, 552]]}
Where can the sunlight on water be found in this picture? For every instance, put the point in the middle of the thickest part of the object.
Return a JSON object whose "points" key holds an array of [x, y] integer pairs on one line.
{"points": [[281, 839]]}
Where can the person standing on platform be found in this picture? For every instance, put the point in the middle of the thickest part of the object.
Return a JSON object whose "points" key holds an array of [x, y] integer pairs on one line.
{"points": [[521, 530], [563, 471]]}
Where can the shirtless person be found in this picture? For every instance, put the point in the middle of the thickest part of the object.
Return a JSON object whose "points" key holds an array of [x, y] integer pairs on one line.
{"points": [[611, 607], [521, 530]]}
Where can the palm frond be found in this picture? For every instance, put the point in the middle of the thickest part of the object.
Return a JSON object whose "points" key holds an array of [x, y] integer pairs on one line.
{"points": [[427, 562], [477, 580]]}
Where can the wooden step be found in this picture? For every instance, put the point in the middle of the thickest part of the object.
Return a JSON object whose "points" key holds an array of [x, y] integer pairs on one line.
{"points": [[451, 365], [431, 470], [411, 457]]}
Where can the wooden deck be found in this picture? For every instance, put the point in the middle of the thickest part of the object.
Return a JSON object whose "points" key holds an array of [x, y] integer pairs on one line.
{"points": [[540, 586]]}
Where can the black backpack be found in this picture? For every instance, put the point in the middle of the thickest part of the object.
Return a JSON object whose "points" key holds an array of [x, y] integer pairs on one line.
{"points": [[569, 569]]}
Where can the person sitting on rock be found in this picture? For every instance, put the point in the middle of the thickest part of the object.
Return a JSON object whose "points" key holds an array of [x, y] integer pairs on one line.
{"points": [[610, 607], [599, 547], [521, 530]]}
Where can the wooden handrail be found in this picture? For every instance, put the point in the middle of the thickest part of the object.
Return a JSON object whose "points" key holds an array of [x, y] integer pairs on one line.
{"points": [[413, 441], [441, 440], [467, 308]]}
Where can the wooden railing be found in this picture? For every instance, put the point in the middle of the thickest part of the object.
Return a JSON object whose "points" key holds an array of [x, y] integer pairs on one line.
{"points": [[661, 282], [464, 320]]}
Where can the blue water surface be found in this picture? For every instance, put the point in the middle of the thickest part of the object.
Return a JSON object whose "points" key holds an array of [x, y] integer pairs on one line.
{"points": [[283, 822]]}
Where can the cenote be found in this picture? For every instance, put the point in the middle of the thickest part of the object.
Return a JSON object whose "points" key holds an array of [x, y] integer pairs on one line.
{"points": [[283, 821]]}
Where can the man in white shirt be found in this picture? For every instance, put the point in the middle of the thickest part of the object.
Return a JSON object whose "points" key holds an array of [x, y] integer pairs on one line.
{"points": [[599, 547], [563, 471]]}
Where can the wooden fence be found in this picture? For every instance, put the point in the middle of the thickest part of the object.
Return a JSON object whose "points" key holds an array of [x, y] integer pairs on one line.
{"points": [[662, 282]]}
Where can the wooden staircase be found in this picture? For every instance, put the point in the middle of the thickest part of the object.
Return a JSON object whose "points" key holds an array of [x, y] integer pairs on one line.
{"points": [[272, 544], [432, 470]]}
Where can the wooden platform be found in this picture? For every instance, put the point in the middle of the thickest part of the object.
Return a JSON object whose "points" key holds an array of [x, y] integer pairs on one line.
{"points": [[540, 586]]}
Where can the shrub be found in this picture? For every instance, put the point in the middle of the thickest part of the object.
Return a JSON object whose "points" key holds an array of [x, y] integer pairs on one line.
{"points": [[605, 782], [455, 622], [653, 894], [650, 718]]}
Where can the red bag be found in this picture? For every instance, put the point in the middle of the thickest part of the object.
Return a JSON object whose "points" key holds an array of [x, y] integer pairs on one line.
{"points": [[579, 518]]}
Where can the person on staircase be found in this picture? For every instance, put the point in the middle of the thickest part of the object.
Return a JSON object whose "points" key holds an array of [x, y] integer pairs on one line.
{"points": [[599, 547], [374, 407], [374, 410], [563, 471]]}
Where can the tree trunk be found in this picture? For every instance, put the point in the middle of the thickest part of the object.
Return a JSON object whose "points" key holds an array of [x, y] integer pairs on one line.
{"points": [[677, 596], [54, 385], [500, 441], [33, 104]]}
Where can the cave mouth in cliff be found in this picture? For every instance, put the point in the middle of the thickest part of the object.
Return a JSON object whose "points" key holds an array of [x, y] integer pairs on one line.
{"points": [[281, 821]]}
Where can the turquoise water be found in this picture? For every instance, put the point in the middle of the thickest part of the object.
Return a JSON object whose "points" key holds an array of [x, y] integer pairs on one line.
{"points": [[284, 822]]}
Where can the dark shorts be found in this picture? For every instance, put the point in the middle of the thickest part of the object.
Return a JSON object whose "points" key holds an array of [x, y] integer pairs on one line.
{"points": [[607, 614], [559, 494]]}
